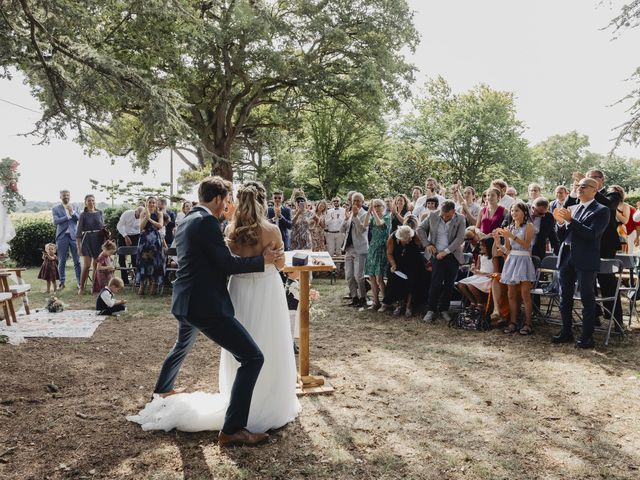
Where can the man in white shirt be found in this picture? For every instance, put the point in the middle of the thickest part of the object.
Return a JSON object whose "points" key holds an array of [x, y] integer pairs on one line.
{"points": [[128, 235], [431, 190], [505, 200], [333, 223]]}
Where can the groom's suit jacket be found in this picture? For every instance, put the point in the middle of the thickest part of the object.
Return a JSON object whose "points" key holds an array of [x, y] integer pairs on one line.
{"points": [[204, 262]]}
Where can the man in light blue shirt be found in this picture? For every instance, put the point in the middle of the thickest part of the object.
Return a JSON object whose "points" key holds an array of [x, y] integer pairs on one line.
{"points": [[65, 218]]}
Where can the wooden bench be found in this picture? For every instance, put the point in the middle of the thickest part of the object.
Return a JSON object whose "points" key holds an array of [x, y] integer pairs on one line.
{"points": [[5, 299], [20, 289]]}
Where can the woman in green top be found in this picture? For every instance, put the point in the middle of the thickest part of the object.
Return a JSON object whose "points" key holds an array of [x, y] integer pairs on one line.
{"points": [[376, 264]]}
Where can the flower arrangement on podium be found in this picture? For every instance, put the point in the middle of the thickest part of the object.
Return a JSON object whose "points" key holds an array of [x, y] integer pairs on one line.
{"points": [[9, 182], [294, 289]]}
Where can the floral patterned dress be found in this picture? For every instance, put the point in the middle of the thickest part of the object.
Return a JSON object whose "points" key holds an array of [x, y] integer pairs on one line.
{"points": [[150, 254], [376, 263], [317, 233], [101, 277], [301, 232]]}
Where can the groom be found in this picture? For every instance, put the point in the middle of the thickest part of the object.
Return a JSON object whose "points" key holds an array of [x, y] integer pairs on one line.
{"points": [[201, 302]]}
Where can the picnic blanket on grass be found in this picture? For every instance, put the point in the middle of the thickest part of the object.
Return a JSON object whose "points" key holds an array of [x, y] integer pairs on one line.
{"points": [[41, 323]]}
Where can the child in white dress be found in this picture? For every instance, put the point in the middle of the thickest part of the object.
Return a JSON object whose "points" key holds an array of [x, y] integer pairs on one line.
{"points": [[476, 287]]}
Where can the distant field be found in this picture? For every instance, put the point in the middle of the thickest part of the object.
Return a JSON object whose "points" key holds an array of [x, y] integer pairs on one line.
{"points": [[18, 218]]}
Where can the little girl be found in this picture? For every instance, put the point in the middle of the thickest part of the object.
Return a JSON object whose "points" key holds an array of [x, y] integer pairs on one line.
{"points": [[49, 268], [476, 287], [104, 266], [518, 272]]}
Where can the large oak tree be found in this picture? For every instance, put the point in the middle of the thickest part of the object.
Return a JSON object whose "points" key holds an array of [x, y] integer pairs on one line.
{"points": [[136, 77]]}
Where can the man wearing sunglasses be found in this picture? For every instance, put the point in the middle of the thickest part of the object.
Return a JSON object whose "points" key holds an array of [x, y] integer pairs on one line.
{"points": [[281, 216], [610, 243], [580, 230]]}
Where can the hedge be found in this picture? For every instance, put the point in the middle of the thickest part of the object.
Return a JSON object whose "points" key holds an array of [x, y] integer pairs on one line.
{"points": [[28, 244], [111, 216]]}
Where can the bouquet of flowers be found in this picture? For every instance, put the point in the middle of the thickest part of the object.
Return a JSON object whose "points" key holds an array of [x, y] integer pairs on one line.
{"points": [[294, 289], [9, 182], [54, 305]]}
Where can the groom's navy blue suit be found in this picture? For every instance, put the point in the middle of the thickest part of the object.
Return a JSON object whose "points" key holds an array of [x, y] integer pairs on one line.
{"points": [[201, 302]]}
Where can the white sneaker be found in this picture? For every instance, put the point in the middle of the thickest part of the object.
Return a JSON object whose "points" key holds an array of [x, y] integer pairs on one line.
{"points": [[446, 316], [429, 316]]}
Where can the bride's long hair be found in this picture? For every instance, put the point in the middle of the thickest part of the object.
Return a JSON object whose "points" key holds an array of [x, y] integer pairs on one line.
{"points": [[248, 218]]}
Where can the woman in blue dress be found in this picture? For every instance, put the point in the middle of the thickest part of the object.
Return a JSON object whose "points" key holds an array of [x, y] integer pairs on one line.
{"points": [[518, 272], [89, 236], [151, 262]]}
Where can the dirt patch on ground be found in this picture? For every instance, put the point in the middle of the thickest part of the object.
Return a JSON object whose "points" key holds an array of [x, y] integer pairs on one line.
{"points": [[411, 401]]}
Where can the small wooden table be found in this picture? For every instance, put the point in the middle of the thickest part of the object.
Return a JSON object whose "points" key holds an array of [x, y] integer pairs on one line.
{"points": [[318, 262]]}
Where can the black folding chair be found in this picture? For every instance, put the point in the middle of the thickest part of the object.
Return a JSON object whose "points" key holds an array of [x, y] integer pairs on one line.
{"points": [[547, 289], [610, 266], [170, 269], [130, 270], [630, 263]]}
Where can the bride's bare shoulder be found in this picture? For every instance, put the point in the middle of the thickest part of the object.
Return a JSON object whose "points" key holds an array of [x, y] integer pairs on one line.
{"points": [[270, 233]]}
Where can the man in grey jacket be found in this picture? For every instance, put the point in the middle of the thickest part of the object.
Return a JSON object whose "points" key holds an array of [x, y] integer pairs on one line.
{"points": [[355, 248], [443, 234]]}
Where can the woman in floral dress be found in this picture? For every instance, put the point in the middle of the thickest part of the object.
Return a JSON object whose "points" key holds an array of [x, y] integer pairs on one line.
{"points": [[376, 264], [318, 226], [301, 226]]}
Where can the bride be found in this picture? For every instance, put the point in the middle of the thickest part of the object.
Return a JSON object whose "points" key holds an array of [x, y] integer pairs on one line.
{"points": [[7, 232], [261, 307]]}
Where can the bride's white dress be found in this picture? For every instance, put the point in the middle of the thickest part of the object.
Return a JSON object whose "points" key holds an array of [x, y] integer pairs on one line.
{"points": [[7, 232], [261, 306]]}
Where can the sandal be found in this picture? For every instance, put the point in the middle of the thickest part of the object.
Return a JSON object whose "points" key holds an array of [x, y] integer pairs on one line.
{"points": [[526, 330], [512, 328]]}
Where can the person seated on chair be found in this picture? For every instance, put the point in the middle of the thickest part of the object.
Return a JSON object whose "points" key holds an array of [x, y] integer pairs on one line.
{"points": [[106, 304], [476, 287]]}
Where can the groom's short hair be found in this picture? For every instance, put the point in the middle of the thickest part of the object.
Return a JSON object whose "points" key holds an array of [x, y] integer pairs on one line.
{"points": [[212, 187]]}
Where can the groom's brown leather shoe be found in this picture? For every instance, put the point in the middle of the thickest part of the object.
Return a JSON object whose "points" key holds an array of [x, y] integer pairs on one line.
{"points": [[241, 437]]}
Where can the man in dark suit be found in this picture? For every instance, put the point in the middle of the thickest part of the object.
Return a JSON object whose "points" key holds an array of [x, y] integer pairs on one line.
{"points": [[281, 216], [561, 196], [580, 231], [545, 228], [201, 303], [609, 244]]}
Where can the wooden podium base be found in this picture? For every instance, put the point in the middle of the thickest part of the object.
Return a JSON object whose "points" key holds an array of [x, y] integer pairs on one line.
{"points": [[313, 385]]}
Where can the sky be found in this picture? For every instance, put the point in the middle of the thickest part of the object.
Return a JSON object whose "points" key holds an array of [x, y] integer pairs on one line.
{"points": [[563, 66]]}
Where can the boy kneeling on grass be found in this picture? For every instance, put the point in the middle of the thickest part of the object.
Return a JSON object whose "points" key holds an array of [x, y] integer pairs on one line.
{"points": [[106, 304]]}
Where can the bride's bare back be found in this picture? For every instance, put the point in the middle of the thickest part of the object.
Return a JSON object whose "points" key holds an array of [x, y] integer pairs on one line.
{"points": [[269, 234]]}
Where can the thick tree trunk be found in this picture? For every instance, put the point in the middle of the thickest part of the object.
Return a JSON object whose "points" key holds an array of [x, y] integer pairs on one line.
{"points": [[218, 158], [222, 168]]}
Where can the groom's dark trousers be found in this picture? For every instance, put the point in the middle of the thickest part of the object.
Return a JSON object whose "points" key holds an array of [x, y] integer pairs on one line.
{"points": [[232, 336], [201, 302]]}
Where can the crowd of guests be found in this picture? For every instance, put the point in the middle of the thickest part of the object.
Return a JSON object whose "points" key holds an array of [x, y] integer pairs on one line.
{"points": [[408, 250], [149, 230]]}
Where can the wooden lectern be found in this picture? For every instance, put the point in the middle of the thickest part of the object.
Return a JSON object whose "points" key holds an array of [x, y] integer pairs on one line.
{"points": [[318, 262]]}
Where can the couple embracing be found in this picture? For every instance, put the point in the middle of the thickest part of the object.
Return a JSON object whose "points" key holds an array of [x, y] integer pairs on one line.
{"points": [[249, 320]]}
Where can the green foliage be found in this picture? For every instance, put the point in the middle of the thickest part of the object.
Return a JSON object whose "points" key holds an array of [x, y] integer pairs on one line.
{"points": [[559, 156], [406, 164], [475, 134], [111, 216], [134, 78], [339, 150], [31, 236], [132, 192]]}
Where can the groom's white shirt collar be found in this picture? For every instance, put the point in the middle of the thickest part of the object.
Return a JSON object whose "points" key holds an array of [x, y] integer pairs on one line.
{"points": [[205, 209]]}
